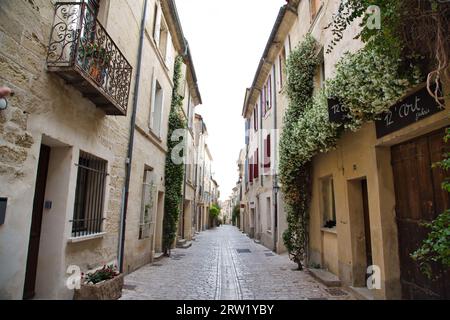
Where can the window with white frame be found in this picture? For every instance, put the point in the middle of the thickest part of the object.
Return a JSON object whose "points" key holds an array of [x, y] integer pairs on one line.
{"points": [[156, 108], [161, 35], [327, 203]]}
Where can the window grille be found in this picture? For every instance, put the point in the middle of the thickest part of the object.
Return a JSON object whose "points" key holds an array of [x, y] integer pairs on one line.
{"points": [[89, 196]]}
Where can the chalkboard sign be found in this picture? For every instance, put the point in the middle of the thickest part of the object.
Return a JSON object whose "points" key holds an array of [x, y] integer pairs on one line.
{"points": [[337, 112], [414, 108]]}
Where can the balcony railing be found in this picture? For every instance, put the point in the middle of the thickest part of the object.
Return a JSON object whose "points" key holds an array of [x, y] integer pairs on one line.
{"points": [[83, 54]]}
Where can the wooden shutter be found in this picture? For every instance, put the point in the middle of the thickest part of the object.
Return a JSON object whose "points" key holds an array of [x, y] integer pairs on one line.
{"points": [[256, 164], [270, 92], [250, 169], [267, 153]]}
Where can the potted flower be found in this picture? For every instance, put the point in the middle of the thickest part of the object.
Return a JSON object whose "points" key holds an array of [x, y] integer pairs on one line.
{"points": [[96, 60], [104, 284]]}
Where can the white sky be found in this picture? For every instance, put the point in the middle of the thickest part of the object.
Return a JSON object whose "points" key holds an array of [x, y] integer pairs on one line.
{"points": [[227, 40]]}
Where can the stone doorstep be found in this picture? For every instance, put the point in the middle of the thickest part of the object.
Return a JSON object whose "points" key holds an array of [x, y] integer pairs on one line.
{"points": [[326, 277], [186, 245], [158, 256], [181, 242], [361, 293]]}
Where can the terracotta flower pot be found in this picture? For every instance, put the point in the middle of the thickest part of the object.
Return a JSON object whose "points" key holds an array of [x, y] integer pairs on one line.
{"points": [[105, 290]]}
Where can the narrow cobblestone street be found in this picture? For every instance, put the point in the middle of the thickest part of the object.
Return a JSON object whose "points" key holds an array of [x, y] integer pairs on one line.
{"points": [[224, 264]]}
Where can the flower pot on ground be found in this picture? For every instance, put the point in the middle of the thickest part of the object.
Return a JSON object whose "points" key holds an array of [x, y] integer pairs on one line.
{"points": [[103, 284]]}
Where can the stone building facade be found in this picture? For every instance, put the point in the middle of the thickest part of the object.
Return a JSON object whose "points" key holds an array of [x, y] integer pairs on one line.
{"points": [[65, 137], [375, 187], [207, 189]]}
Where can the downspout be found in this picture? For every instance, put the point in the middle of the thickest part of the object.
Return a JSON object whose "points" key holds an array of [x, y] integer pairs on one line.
{"points": [[275, 176], [131, 143], [185, 170]]}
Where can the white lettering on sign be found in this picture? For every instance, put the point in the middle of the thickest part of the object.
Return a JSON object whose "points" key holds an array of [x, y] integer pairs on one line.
{"points": [[405, 110]]}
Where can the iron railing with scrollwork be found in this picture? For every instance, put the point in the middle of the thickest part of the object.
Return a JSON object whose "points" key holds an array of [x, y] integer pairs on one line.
{"points": [[78, 40]]}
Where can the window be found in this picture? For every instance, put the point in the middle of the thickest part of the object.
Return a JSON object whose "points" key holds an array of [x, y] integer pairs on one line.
{"points": [[89, 196], [256, 164], [247, 133], [255, 118], [251, 169], [328, 202], [267, 155], [269, 214], [148, 202], [161, 35], [157, 108]]}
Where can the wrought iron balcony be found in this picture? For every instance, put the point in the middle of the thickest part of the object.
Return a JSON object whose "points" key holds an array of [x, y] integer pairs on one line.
{"points": [[85, 56]]}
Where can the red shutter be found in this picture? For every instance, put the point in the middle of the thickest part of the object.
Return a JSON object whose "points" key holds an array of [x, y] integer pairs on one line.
{"points": [[257, 164], [267, 152], [250, 169]]}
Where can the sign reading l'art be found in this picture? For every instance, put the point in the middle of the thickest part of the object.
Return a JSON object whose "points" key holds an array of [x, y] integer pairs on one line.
{"points": [[414, 108], [337, 112]]}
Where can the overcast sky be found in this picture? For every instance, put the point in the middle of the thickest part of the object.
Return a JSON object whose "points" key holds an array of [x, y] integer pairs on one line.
{"points": [[227, 40]]}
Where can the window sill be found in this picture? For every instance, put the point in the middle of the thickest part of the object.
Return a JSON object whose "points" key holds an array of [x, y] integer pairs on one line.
{"points": [[86, 238], [329, 230]]}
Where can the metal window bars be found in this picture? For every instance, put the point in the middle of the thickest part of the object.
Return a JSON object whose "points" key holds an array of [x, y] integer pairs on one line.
{"points": [[89, 196]]}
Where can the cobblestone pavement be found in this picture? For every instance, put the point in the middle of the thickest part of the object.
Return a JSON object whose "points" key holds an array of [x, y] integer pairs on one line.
{"points": [[224, 264]]}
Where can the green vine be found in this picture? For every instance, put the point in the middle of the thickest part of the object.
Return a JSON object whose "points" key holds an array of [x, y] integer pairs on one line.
{"points": [[368, 83], [295, 169], [436, 247], [174, 173]]}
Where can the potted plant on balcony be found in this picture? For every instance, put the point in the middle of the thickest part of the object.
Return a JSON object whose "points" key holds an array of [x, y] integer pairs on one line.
{"points": [[104, 284], [96, 61]]}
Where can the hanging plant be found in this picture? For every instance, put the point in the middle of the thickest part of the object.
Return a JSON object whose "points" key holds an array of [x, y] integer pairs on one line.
{"points": [[174, 172]]}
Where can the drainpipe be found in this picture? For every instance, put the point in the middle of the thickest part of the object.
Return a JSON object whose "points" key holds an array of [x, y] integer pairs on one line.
{"points": [[185, 170], [275, 176], [129, 160]]}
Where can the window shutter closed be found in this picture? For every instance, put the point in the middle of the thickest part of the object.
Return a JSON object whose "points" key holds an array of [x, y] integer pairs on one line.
{"points": [[250, 169], [152, 101], [169, 54]]}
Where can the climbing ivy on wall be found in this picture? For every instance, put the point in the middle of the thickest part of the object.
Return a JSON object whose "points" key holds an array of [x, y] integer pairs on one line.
{"points": [[366, 83], [295, 169], [174, 172]]}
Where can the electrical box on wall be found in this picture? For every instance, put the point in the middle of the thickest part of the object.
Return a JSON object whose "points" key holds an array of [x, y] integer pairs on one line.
{"points": [[3, 202]]}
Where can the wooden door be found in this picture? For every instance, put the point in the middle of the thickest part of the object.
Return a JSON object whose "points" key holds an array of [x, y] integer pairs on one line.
{"points": [[367, 235], [36, 222], [419, 198]]}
